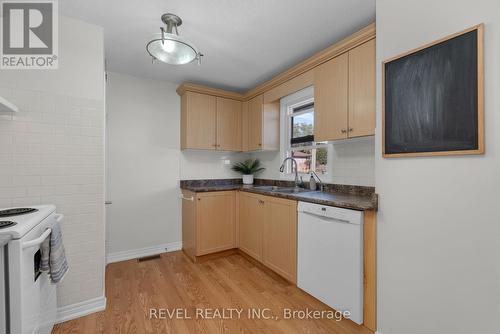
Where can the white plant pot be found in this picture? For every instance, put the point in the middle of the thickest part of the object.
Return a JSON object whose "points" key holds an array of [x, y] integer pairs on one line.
{"points": [[248, 179]]}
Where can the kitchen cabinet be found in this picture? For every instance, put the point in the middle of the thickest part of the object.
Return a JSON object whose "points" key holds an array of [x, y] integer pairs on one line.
{"points": [[198, 121], [280, 237], [210, 123], [362, 90], [251, 222], [268, 232], [344, 95], [228, 124], [208, 222], [330, 99], [263, 124]]}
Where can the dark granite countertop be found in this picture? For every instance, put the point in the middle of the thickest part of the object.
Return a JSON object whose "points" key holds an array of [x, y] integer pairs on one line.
{"points": [[350, 197]]}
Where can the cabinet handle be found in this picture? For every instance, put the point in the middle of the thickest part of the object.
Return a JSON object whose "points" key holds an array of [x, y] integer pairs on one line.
{"points": [[261, 201], [350, 129], [343, 131], [260, 144]]}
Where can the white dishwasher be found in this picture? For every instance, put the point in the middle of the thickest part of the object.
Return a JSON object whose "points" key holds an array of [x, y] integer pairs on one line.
{"points": [[330, 256]]}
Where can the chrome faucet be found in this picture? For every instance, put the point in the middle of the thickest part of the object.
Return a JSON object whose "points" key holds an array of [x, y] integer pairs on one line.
{"points": [[294, 162], [321, 187]]}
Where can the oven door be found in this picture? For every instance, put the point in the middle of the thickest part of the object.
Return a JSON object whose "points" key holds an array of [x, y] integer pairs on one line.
{"points": [[33, 303]]}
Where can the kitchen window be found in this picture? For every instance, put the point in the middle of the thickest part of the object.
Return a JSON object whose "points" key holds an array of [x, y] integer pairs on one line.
{"points": [[299, 135]]}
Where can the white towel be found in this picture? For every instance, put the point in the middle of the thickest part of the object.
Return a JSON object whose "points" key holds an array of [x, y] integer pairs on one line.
{"points": [[53, 256]]}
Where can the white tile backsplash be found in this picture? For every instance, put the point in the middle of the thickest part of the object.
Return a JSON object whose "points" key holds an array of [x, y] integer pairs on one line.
{"points": [[52, 151]]}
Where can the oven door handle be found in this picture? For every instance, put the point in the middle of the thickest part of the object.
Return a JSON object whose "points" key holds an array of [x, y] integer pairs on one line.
{"points": [[37, 241]]}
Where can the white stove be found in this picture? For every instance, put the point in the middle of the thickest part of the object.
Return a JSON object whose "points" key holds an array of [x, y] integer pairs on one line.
{"points": [[30, 299]]}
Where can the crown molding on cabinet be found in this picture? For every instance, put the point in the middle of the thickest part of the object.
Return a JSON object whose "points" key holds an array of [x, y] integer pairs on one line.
{"points": [[191, 87], [348, 43]]}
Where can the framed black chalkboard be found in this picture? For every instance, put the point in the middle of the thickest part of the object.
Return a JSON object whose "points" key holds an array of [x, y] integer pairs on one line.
{"points": [[433, 98]]}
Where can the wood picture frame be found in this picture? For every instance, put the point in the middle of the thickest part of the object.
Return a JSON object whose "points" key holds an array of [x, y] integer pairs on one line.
{"points": [[479, 29]]}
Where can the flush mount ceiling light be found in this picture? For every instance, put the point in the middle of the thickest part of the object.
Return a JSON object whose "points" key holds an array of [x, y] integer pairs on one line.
{"points": [[169, 47]]}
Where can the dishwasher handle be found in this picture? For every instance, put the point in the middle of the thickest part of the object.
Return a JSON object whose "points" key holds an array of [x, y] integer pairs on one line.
{"points": [[329, 218]]}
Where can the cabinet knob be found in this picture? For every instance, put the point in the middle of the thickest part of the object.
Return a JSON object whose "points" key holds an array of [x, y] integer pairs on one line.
{"points": [[260, 144], [350, 129], [343, 130]]}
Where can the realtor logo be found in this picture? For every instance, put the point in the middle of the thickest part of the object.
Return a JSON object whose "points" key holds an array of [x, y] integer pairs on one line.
{"points": [[29, 34]]}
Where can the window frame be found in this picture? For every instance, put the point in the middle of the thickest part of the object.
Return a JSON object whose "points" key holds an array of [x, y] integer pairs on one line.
{"points": [[302, 109], [287, 106]]}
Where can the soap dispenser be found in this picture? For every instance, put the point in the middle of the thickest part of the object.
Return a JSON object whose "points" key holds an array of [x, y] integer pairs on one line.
{"points": [[312, 182]]}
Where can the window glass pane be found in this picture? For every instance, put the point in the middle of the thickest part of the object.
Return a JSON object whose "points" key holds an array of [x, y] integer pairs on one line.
{"points": [[303, 125], [321, 160], [303, 158]]}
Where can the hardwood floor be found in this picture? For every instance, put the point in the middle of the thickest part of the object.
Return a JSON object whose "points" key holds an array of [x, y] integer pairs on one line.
{"points": [[173, 281]]}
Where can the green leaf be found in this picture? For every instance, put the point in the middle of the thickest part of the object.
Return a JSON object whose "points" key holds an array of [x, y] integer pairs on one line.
{"points": [[248, 167]]}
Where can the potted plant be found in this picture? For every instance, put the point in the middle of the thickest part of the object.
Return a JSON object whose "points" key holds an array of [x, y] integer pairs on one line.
{"points": [[248, 168]]}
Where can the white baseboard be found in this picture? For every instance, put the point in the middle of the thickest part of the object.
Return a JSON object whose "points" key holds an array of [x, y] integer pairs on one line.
{"points": [[148, 251], [82, 309]]}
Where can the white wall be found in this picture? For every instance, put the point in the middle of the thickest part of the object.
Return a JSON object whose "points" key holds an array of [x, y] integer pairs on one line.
{"points": [[145, 163], [52, 151], [439, 232]]}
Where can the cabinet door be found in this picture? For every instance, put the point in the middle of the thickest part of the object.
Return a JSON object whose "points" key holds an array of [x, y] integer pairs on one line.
{"points": [[330, 99], [215, 222], [244, 126], [255, 108], [280, 237], [250, 224], [189, 223], [198, 121], [362, 90], [228, 124]]}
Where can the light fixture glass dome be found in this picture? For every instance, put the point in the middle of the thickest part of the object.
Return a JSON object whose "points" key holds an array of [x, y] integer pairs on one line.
{"points": [[170, 48]]}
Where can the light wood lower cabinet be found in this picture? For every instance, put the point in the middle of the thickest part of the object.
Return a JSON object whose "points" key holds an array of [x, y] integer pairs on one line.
{"points": [[208, 222], [251, 222], [280, 237], [268, 232]]}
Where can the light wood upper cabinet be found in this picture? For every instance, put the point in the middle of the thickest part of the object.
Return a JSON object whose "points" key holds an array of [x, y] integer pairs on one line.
{"points": [[263, 124], [208, 222], [331, 99], [198, 121], [210, 123], [280, 237], [255, 111], [344, 95], [251, 222], [244, 126], [228, 124], [362, 90]]}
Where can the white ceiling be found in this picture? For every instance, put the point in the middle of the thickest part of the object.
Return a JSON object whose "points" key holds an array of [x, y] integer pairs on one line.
{"points": [[245, 42]]}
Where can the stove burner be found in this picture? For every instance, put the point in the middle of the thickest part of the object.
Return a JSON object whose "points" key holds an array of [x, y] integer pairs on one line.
{"points": [[16, 212], [6, 223]]}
